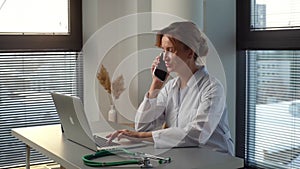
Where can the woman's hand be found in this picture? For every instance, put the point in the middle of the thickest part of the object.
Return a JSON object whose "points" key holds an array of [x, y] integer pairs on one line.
{"points": [[130, 135], [155, 63], [156, 83]]}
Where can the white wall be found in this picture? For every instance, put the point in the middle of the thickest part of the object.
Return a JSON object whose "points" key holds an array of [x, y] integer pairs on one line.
{"points": [[218, 23], [220, 27], [187, 9], [97, 16]]}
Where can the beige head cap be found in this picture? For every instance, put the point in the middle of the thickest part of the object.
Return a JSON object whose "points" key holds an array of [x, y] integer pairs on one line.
{"points": [[188, 33]]}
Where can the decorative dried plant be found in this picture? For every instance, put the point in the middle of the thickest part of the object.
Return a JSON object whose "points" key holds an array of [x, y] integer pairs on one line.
{"points": [[116, 88], [103, 78]]}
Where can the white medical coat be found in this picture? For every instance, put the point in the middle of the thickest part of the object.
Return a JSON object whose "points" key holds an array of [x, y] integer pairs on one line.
{"points": [[200, 120]]}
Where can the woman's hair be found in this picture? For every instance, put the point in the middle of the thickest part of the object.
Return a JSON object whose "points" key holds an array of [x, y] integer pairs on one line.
{"points": [[186, 34], [176, 43]]}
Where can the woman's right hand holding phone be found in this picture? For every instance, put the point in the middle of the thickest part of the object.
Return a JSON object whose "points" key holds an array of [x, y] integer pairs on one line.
{"points": [[157, 82]]}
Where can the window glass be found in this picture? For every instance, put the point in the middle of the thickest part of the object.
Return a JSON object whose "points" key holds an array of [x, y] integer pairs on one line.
{"points": [[273, 114], [34, 16], [275, 14]]}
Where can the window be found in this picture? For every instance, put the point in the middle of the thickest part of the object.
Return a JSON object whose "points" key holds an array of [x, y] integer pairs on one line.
{"points": [[272, 15], [273, 108], [268, 84], [31, 17], [38, 54], [26, 80], [38, 25], [256, 29]]}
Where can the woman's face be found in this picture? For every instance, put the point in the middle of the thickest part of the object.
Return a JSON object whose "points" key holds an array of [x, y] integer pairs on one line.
{"points": [[176, 59]]}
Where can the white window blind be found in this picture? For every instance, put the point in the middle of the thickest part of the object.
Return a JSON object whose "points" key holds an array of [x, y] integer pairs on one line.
{"points": [[25, 82], [273, 109], [275, 14]]}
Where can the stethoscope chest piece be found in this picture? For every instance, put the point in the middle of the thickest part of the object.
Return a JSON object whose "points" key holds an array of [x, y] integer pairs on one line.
{"points": [[146, 163]]}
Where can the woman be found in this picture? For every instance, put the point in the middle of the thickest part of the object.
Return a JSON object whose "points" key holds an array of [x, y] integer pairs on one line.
{"points": [[192, 105]]}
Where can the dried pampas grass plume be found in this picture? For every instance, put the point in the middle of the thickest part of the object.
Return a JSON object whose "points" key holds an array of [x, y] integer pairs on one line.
{"points": [[118, 86], [104, 80]]}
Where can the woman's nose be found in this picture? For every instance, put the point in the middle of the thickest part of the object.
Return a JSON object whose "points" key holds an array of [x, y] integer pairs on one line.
{"points": [[166, 55]]}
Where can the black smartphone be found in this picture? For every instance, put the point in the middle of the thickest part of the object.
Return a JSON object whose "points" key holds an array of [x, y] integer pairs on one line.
{"points": [[160, 70]]}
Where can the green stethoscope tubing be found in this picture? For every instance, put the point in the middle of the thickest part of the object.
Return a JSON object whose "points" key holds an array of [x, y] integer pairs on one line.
{"points": [[87, 159]]}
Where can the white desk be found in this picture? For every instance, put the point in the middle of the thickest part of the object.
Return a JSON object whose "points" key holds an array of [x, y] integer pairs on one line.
{"points": [[49, 141]]}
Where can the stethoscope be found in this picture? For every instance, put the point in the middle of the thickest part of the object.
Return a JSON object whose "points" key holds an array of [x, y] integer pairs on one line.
{"points": [[138, 158]]}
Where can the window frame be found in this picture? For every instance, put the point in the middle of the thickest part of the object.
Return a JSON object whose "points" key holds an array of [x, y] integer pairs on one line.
{"points": [[253, 40], [262, 39], [71, 42]]}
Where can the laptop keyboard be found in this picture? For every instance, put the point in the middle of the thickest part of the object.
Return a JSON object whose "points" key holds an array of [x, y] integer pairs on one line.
{"points": [[102, 142]]}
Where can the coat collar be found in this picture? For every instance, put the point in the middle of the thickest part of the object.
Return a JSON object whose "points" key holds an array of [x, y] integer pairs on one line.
{"points": [[197, 76]]}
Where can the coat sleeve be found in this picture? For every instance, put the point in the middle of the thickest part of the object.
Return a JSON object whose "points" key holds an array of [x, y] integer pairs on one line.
{"points": [[150, 114]]}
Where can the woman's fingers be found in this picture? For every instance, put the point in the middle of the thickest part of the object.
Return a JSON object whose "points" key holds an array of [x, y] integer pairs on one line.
{"points": [[116, 134], [154, 63], [112, 136], [120, 134], [130, 135]]}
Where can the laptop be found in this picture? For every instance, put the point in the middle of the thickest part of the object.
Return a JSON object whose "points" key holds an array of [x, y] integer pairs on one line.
{"points": [[76, 128]]}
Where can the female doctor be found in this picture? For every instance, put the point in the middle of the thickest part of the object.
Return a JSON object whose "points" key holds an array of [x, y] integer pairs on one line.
{"points": [[191, 105]]}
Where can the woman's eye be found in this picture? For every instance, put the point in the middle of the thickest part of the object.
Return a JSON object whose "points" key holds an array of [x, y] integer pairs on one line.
{"points": [[170, 50]]}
